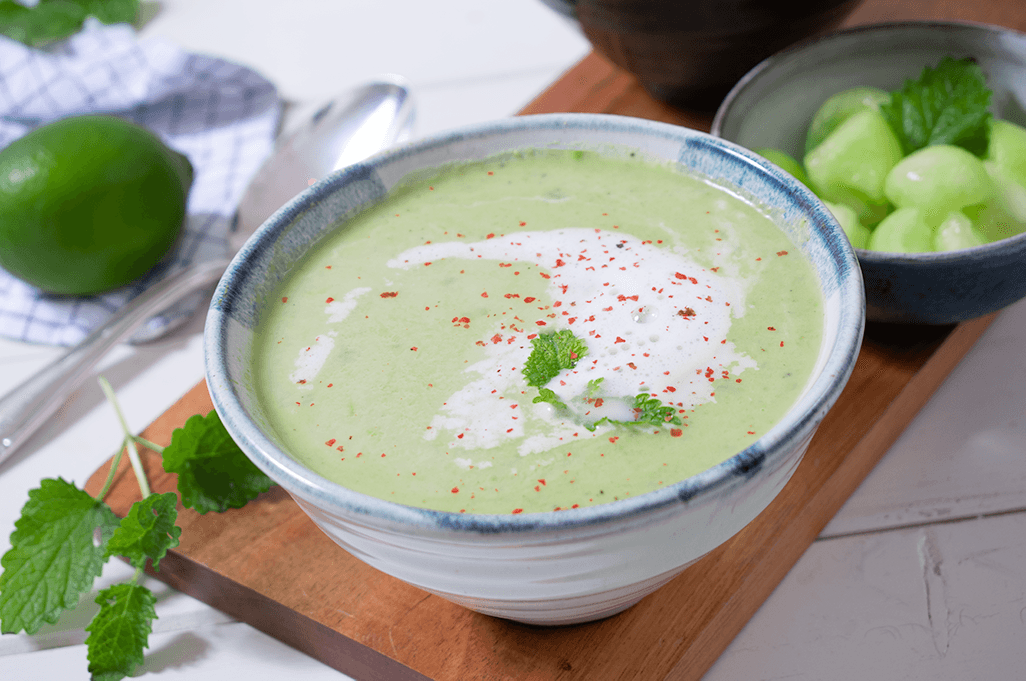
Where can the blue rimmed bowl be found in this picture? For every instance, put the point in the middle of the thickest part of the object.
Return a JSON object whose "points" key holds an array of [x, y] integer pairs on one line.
{"points": [[554, 567], [774, 103]]}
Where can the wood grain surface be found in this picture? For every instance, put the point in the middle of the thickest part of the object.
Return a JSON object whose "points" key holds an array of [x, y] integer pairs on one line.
{"points": [[268, 565]]}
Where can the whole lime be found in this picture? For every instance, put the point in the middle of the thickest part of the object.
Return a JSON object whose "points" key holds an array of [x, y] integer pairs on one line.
{"points": [[89, 203]]}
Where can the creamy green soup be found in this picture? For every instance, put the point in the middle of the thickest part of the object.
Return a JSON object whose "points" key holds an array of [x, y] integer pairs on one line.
{"points": [[392, 358]]}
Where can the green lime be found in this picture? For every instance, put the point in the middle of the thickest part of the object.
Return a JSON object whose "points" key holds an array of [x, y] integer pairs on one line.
{"points": [[89, 203]]}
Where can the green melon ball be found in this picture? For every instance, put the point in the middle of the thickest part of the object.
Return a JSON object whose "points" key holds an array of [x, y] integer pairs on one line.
{"points": [[838, 108], [903, 231], [956, 231], [1007, 149], [852, 164], [939, 179]]}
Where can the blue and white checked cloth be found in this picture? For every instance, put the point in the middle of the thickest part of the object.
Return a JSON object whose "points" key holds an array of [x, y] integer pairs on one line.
{"points": [[224, 117]]}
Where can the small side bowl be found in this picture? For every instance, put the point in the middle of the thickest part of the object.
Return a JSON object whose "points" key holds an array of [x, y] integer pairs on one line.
{"points": [[774, 103], [555, 567]]}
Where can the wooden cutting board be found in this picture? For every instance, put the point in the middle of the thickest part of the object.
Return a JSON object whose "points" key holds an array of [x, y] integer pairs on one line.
{"points": [[268, 565]]}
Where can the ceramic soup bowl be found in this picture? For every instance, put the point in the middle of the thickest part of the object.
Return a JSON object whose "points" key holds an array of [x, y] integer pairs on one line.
{"points": [[553, 567]]}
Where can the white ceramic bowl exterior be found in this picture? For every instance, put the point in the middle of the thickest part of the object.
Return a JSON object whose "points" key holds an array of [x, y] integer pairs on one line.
{"points": [[542, 568]]}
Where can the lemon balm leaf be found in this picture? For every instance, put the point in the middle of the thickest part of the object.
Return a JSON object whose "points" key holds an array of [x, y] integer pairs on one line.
{"points": [[148, 530], [120, 631], [948, 104], [51, 20], [213, 473], [57, 550], [551, 353]]}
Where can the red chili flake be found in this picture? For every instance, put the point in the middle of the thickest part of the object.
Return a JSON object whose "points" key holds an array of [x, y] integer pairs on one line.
{"points": [[781, 343], [330, 384], [517, 510], [490, 236], [541, 323], [676, 432], [426, 264], [559, 263], [544, 275], [751, 432], [737, 380], [541, 480], [414, 348], [670, 389], [340, 448], [455, 490], [523, 224], [389, 294], [464, 320], [302, 380], [530, 299], [460, 436], [284, 299], [614, 439], [330, 442], [619, 340], [770, 328], [329, 299], [781, 252], [490, 172], [512, 295], [537, 488], [484, 294], [382, 455], [758, 259], [632, 365]]}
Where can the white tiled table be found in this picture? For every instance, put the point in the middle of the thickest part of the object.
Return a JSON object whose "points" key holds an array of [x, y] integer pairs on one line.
{"points": [[922, 575]]}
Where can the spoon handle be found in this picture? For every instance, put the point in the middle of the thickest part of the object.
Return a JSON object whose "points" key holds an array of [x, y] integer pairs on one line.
{"points": [[29, 404]]}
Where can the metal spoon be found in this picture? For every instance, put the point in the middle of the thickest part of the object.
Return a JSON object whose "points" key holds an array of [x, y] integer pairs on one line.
{"points": [[346, 129]]}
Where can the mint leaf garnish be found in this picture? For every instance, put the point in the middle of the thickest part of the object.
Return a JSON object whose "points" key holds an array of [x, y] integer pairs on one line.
{"points": [[551, 353], [650, 412], [948, 104], [546, 395], [53, 557], [213, 473], [51, 20], [148, 530], [120, 632]]}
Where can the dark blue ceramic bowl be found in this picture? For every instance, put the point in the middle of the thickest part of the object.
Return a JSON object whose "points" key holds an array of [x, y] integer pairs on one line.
{"points": [[773, 104]]}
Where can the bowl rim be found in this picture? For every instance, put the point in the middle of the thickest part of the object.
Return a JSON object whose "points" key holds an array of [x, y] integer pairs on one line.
{"points": [[791, 430], [975, 27]]}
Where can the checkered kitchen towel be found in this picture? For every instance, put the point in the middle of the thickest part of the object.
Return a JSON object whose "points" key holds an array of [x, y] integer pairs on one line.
{"points": [[222, 116]]}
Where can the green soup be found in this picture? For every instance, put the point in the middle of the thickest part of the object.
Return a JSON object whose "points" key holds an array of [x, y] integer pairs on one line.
{"points": [[392, 360]]}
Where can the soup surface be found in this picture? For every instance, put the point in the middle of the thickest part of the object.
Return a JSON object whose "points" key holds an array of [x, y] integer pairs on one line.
{"points": [[396, 359]]}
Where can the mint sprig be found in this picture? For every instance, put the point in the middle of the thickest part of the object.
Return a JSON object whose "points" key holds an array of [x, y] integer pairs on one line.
{"points": [[64, 536], [948, 104]]}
